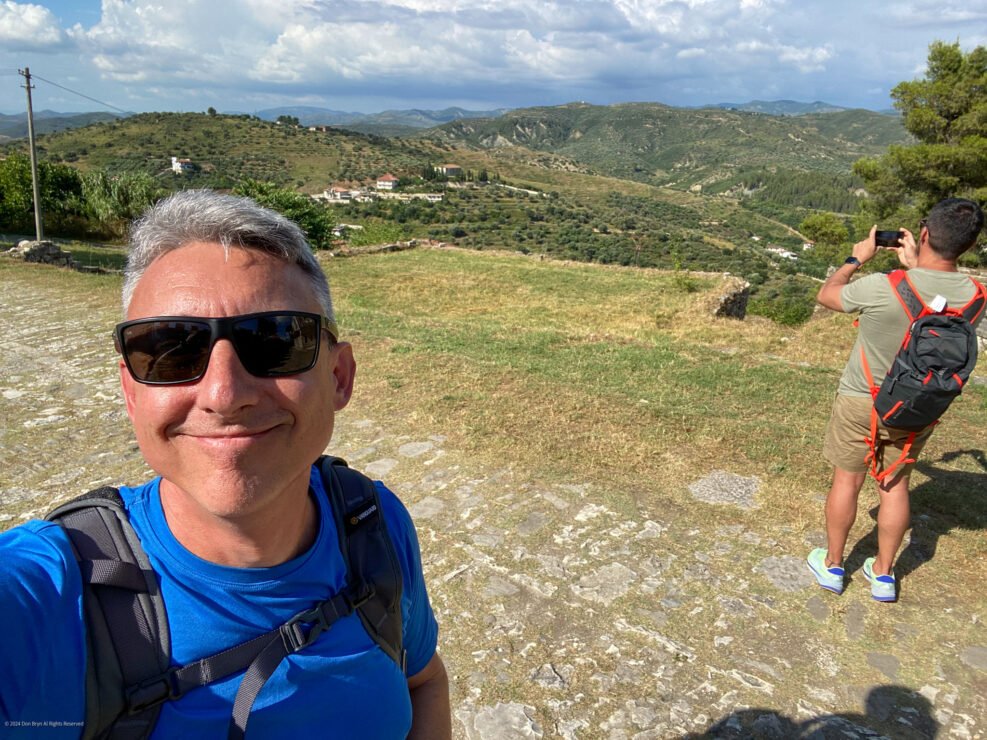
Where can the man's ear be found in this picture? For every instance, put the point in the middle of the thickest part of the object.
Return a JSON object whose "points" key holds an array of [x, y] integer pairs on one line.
{"points": [[127, 384], [344, 371]]}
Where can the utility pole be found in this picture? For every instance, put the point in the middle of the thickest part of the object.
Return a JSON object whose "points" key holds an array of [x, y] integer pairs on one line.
{"points": [[39, 231]]}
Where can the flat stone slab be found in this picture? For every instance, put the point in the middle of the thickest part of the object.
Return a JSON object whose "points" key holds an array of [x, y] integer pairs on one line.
{"points": [[975, 657], [380, 468], [503, 722], [427, 508], [605, 585], [415, 449], [818, 608], [786, 572], [886, 664], [721, 487]]}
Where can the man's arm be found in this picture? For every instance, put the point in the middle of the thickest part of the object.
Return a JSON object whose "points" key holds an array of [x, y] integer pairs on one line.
{"points": [[830, 294], [431, 716]]}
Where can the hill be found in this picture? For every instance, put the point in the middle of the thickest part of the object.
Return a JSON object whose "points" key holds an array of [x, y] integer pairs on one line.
{"points": [[385, 123], [683, 148], [781, 107], [226, 149], [570, 182], [46, 122]]}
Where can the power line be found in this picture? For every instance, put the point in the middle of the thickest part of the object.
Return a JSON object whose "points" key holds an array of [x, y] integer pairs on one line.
{"points": [[76, 92]]}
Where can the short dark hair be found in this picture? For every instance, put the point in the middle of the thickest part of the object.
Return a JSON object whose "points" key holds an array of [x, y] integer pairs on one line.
{"points": [[954, 224]]}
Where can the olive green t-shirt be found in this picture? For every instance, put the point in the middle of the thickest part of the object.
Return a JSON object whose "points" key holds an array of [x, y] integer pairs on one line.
{"points": [[883, 321]]}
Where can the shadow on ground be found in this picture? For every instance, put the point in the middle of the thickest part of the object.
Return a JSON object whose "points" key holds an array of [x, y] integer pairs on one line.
{"points": [[891, 711], [946, 500]]}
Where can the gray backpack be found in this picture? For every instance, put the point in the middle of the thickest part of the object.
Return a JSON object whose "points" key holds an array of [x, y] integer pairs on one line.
{"points": [[129, 674]]}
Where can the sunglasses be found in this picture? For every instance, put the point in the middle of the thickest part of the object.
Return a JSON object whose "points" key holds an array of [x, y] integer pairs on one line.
{"points": [[167, 350]]}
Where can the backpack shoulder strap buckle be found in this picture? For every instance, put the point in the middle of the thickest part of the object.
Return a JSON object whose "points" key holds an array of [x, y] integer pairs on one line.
{"points": [[305, 627], [151, 692], [366, 594]]}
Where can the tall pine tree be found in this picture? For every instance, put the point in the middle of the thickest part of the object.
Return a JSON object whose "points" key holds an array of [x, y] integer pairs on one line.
{"points": [[946, 112]]}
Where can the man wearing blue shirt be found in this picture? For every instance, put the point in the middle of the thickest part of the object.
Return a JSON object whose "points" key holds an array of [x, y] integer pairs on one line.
{"points": [[232, 372]]}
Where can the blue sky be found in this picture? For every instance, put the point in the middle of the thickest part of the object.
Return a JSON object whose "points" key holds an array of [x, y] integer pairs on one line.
{"points": [[373, 55]]}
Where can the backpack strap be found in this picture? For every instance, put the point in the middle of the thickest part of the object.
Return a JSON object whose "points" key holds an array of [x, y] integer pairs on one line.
{"points": [[126, 617], [373, 587], [126, 624], [913, 306], [871, 458], [975, 306], [368, 550], [909, 298]]}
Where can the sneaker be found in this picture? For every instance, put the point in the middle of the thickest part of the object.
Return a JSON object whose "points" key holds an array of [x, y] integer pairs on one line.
{"points": [[829, 578], [882, 588]]}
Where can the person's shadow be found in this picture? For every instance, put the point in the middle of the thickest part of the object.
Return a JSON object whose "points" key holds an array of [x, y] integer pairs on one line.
{"points": [[946, 500], [890, 711]]}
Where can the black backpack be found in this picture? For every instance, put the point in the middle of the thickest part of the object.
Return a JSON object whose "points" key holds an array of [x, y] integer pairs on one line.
{"points": [[129, 673], [932, 366]]}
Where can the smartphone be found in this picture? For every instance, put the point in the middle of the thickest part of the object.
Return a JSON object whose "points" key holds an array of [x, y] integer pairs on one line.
{"points": [[888, 238]]}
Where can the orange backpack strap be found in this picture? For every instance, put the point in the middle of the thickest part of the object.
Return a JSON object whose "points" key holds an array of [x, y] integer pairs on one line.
{"points": [[913, 306], [972, 310], [903, 459], [907, 295]]}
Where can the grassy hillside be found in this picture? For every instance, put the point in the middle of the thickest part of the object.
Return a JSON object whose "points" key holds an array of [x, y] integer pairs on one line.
{"points": [[680, 147], [229, 148], [46, 122], [595, 176]]}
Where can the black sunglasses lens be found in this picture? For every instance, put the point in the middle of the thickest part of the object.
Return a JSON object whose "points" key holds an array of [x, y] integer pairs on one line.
{"points": [[276, 344], [172, 351]]}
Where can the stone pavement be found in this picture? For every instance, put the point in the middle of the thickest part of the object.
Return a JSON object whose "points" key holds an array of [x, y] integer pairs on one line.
{"points": [[560, 616]]}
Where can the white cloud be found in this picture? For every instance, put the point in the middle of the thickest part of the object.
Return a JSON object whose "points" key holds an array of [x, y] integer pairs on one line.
{"points": [[690, 53], [804, 59], [26, 26], [160, 53]]}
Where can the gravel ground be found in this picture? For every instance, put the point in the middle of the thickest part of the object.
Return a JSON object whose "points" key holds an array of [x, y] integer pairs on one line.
{"points": [[559, 616]]}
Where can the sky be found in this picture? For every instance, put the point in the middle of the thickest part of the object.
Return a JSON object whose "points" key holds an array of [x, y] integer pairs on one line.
{"points": [[373, 55]]}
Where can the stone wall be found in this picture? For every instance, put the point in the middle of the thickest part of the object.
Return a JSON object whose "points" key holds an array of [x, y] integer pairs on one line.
{"points": [[732, 300], [48, 253]]}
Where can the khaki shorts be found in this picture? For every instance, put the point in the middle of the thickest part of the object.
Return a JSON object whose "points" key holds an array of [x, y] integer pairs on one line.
{"points": [[849, 426]]}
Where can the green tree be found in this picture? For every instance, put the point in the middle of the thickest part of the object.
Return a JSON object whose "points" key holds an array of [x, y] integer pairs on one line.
{"points": [[824, 228], [314, 218], [946, 112], [59, 187], [16, 198], [113, 201]]}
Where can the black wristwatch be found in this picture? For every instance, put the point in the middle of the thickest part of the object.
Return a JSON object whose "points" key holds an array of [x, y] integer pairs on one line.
{"points": [[851, 260]]}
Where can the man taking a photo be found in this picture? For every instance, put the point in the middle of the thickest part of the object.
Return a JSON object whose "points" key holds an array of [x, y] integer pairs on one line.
{"points": [[951, 228]]}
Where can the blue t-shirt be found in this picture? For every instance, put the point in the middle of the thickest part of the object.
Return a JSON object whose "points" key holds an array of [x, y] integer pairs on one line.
{"points": [[343, 684]]}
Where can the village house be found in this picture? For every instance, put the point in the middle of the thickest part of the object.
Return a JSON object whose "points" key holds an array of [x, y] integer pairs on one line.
{"points": [[337, 192], [450, 170], [387, 182], [180, 166], [782, 253]]}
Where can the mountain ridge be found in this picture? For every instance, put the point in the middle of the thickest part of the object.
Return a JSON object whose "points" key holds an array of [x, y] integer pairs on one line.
{"points": [[393, 122], [680, 147]]}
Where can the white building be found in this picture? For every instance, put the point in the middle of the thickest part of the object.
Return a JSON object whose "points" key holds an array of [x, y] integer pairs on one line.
{"points": [[387, 182], [178, 166]]}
